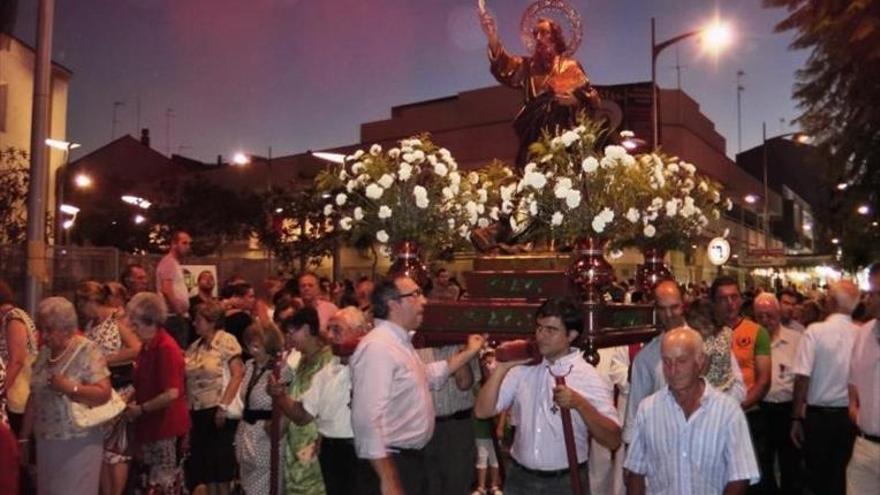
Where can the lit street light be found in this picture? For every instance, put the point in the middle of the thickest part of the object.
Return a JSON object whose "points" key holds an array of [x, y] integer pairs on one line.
{"points": [[81, 180], [715, 36], [863, 210], [750, 199], [242, 159]]}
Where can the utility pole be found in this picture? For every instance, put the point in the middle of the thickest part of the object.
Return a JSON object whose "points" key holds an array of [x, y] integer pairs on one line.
{"points": [[37, 272], [739, 128], [116, 105], [169, 115], [677, 68], [137, 128]]}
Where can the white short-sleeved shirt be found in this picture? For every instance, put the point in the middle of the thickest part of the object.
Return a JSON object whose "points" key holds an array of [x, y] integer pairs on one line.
{"points": [[539, 442], [864, 375], [823, 355], [169, 269], [328, 400], [691, 456], [782, 354]]}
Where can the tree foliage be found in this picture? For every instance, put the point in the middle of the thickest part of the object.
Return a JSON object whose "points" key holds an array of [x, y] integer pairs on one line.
{"points": [[13, 195], [837, 91]]}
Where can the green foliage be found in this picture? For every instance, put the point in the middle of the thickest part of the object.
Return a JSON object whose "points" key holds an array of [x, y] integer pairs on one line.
{"points": [[14, 174], [837, 91]]}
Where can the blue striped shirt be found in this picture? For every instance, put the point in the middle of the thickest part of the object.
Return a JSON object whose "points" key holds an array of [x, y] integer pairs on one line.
{"points": [[694, 456]]}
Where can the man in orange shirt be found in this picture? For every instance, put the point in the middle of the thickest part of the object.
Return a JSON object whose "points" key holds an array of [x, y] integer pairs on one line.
{"points": [[751, 346]]}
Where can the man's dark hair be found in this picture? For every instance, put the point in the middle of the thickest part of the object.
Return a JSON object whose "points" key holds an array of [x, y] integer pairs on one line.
{"points": [[126, 272], [567, 311], [305, 316], [238, 289], [175, 235], [788, 291], [721, 282], [874, 269], [385, 291]]}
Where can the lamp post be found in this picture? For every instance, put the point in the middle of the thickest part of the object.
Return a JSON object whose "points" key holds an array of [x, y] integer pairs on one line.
{"points": [[717, 34], [61, 179], [801, 138]]}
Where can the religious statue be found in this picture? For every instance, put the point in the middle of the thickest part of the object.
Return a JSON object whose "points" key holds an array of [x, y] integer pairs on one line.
{"points": [[555, 86]]}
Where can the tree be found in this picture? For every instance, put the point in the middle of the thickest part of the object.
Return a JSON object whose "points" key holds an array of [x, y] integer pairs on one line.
{"points": [[837, 91], [13, 195], [285, 212]]}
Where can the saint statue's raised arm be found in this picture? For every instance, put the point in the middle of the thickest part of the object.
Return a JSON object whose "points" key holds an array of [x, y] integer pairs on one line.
{"points": [[555, 86]]}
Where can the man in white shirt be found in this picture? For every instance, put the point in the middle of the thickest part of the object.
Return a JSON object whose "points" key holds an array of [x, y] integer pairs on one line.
{"points": [[647, 370], [821, 367], [776, 405], [540, 464], [392, 413], [863, 470], [689, 438], [171, 285]]}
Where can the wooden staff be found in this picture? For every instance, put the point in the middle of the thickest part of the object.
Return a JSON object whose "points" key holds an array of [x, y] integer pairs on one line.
{"points": [[275, 430], [568, 433]]}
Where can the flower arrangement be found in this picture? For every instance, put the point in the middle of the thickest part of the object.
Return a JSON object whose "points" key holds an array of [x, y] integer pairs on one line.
{"points": [[572, 190], [406, 193], [675, 208]]}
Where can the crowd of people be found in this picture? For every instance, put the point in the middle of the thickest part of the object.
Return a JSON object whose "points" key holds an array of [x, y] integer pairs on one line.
{"points": [[757, 392]]}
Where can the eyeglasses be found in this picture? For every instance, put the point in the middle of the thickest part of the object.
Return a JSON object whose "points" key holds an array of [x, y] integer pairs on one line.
{"points": [[415, 293]]}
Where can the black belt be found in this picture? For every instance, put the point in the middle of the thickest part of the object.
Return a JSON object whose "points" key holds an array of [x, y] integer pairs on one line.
{"points": [[251, 416], [464, 414], [827, 410], [406, 452], [547, 474], [870, 438], [337, 441]]}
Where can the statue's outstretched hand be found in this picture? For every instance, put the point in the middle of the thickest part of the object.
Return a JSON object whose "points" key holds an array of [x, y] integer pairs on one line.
{"points": [[489, 27]]}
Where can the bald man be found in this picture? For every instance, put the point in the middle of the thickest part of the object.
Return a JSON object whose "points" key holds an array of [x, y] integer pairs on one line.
{"points": [[689, 438], [821, 423], [776, 405], [647, 372]]}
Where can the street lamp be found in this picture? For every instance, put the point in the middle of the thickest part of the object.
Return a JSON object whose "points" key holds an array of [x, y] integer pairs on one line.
{"points": [[242, 159], [716, 36], [799, 137], [81, 180]]}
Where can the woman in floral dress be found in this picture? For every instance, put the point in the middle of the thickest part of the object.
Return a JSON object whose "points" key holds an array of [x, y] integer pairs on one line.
{"points": [[302, 471], [120, 346], [717, 344]]}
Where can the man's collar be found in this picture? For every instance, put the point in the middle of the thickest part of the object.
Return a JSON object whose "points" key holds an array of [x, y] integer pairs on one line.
{"points": [[398, 331]]}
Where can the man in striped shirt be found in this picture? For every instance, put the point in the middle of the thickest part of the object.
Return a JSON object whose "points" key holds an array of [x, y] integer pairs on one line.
{"points": [[689, 438]]}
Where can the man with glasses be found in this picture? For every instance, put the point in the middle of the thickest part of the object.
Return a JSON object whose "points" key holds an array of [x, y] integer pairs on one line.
{"points": [[540, 463], [392, 413]]}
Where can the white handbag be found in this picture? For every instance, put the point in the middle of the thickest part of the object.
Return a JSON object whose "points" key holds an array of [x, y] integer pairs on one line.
{"points": [[84, 416], [235, 409]]}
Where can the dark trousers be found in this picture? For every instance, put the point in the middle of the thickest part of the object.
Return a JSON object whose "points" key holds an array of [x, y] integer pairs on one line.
{"points": [[521, 481], [339, 465], [777, 425], [451, 456], [410, 466], [829, 436], [27, 485], [761, 444]]}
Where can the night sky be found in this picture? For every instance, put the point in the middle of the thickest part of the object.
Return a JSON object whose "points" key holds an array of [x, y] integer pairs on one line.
{"points": [[304, 74]]}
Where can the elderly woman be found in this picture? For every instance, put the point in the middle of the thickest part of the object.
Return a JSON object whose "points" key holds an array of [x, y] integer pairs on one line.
{"points": [[252, 443], [159, 406], [18, 349], [120, 346], [69, 368], [214, 355], [722, 370]]}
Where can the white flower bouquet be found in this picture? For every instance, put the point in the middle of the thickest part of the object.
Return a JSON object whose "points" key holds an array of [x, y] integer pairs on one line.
{"points": [[406, 193]]}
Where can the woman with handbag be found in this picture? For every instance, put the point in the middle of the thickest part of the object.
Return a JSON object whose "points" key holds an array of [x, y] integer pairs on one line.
{"points": [[159, 407], [69, 369], [18, 349], [214, 355]]}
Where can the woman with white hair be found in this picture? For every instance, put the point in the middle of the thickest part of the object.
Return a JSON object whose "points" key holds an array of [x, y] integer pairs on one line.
{"points": [[159, 408], [69, 368]]}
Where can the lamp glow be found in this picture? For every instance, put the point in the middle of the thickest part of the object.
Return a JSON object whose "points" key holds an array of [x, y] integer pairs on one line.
{"points": [[68, 209], [83, 181]]}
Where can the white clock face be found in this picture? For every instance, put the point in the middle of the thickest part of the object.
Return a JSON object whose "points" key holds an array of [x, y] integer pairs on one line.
{"points": [[718, 251]]}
